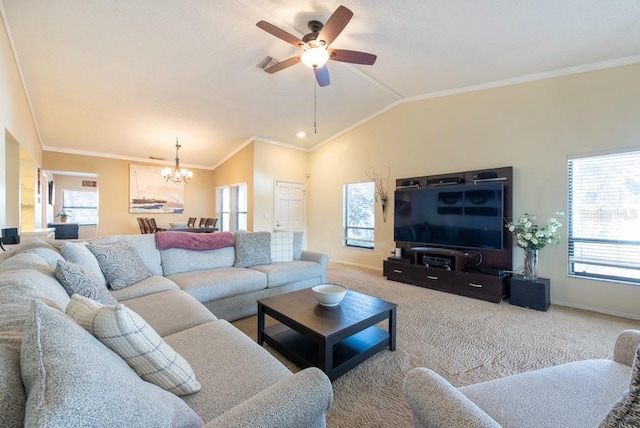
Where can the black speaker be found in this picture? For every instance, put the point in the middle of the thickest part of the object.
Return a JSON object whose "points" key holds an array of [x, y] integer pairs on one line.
{"points": [[487, 175], [445, 181], [10, 236], [530, 294]]}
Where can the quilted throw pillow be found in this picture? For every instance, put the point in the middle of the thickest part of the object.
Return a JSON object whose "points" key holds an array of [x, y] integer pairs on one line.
{"points": [[252, 248], [76, 279], [128, 335], [281, 247], [626, 412], [120, 263]]}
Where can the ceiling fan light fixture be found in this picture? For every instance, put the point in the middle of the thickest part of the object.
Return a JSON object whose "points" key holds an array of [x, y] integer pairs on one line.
{"points": [[315, 57]]}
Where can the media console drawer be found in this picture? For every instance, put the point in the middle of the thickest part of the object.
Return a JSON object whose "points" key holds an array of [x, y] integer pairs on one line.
{"points": [[480, 286]]}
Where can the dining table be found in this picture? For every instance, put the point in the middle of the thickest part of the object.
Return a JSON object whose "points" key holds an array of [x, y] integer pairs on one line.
{"points": [[193, 229]]}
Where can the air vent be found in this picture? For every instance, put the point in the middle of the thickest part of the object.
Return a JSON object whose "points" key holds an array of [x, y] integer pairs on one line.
{"points": [[266, 62]]}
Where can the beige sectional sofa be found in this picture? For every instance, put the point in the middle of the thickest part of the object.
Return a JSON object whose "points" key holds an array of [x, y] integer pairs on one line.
{"points": [[53, 372], [577, 394]]}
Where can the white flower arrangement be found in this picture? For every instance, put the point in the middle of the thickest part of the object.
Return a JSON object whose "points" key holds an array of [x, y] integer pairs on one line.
{"points": [[529, 235]]}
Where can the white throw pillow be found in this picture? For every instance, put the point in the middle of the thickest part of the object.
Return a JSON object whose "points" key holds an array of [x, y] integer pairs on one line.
{"points": [[128, 335], [281, 247]]}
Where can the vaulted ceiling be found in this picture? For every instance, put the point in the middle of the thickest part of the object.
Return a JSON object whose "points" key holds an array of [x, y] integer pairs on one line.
{"points": [[125, 78]]}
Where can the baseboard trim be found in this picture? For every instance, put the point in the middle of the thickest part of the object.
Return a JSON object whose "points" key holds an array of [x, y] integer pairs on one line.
{"points": [[369, 267], [594, 309]]}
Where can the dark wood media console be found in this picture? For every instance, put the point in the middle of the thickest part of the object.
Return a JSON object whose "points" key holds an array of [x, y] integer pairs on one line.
{"points": [[475, 272], [492, 288]]}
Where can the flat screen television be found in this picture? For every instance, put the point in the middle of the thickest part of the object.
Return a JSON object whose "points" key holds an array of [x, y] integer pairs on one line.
{"points": [[455, 216]]}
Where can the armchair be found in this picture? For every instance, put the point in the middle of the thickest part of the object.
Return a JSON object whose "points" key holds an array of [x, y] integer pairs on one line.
{"points": [[575, 394]]}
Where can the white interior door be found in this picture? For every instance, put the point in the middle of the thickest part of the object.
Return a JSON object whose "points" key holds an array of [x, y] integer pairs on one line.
{"points": [[289, 206]]}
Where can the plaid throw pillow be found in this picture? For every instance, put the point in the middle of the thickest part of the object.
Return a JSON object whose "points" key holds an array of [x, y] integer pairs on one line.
{"points": [[128, 335], [281, 247]]}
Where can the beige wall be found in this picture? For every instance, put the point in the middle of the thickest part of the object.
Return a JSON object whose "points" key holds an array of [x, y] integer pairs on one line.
{"points": [[273, 163], [260, 165], [113, 176], [533, 127], [237, 169], [18, 127]]}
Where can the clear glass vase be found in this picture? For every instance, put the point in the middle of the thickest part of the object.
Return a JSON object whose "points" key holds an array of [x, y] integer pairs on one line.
{"points": [[530, 264]]}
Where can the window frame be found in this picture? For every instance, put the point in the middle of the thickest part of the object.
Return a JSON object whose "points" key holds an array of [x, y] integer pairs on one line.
{"points": [[229, 218], [347, 239], [69, 209], [590, 256]]}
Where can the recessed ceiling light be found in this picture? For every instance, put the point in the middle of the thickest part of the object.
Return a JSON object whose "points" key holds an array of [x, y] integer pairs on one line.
{"points": [[301, 134]]}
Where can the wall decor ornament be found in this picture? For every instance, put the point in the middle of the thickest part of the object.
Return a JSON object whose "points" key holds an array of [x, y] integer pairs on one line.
{"points": [[381, 186], [532, 237]]}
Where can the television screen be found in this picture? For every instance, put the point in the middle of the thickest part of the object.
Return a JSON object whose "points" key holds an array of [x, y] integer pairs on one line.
{"points": [[456, 216]]}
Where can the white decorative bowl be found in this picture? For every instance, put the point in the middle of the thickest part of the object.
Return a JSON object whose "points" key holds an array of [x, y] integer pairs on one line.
{"points": [[329, 294], [178, 225]]}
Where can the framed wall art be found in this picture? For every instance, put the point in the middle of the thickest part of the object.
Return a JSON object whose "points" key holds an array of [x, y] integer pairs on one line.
{"points": [[149, 193]]}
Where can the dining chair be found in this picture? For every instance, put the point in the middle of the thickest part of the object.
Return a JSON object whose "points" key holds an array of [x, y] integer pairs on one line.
{"points": [[191, 222], [209, 222], [203, 222], [143, 228], [153, 225]]}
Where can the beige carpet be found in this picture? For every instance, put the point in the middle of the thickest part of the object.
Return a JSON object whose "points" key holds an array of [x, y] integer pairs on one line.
{"points": [[463, 339]]}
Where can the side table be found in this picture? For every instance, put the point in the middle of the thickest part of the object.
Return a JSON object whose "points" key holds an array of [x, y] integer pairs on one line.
{"points": [[530, 294]]}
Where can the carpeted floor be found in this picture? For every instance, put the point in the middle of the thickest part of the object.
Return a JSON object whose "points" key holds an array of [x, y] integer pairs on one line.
{"points": [[465, 340]]}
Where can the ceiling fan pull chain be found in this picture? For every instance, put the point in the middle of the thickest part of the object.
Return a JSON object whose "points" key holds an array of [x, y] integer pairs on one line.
{"points": [[315, 107]]}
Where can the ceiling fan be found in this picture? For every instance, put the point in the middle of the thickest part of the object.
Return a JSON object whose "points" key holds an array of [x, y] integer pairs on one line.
{"points": [[315, 45]]}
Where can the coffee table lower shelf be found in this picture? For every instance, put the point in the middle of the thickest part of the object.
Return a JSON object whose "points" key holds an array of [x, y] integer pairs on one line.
{"points": [[345, 354]]}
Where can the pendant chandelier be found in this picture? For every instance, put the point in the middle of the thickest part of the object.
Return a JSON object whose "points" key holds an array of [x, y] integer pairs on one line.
{"points": [[178, 174]]}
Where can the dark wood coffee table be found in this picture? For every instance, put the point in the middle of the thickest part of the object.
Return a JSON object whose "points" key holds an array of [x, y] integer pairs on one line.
{"points": [[334, 339]]}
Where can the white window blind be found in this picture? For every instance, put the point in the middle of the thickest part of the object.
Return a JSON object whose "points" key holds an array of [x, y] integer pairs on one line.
{"points": [[604, 217]]}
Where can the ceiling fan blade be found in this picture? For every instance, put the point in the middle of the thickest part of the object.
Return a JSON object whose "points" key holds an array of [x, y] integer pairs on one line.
{"points": [[353, 57], [281, 34], [284, 64], [335, 24], [322, 75]]}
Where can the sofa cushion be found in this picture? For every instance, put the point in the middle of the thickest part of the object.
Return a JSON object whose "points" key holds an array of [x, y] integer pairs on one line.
{"points": [[508, 400], [170, 311], [213, 284], [76, 279], [252, 248], [231, 366], [12, 395], [279, 274], [151, 285], [79, 253], [176, 260], [120, 263], [27, 276], [72, 379], [128, 335], [626, 412], [281, 247], [49, 255]]}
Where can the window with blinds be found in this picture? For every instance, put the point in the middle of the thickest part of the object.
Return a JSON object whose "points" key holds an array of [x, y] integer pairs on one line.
{"points": [[359, 215], [604, 217]]}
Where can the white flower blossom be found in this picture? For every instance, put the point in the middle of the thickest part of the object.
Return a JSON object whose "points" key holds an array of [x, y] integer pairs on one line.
{"points": [[528, 234]]}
